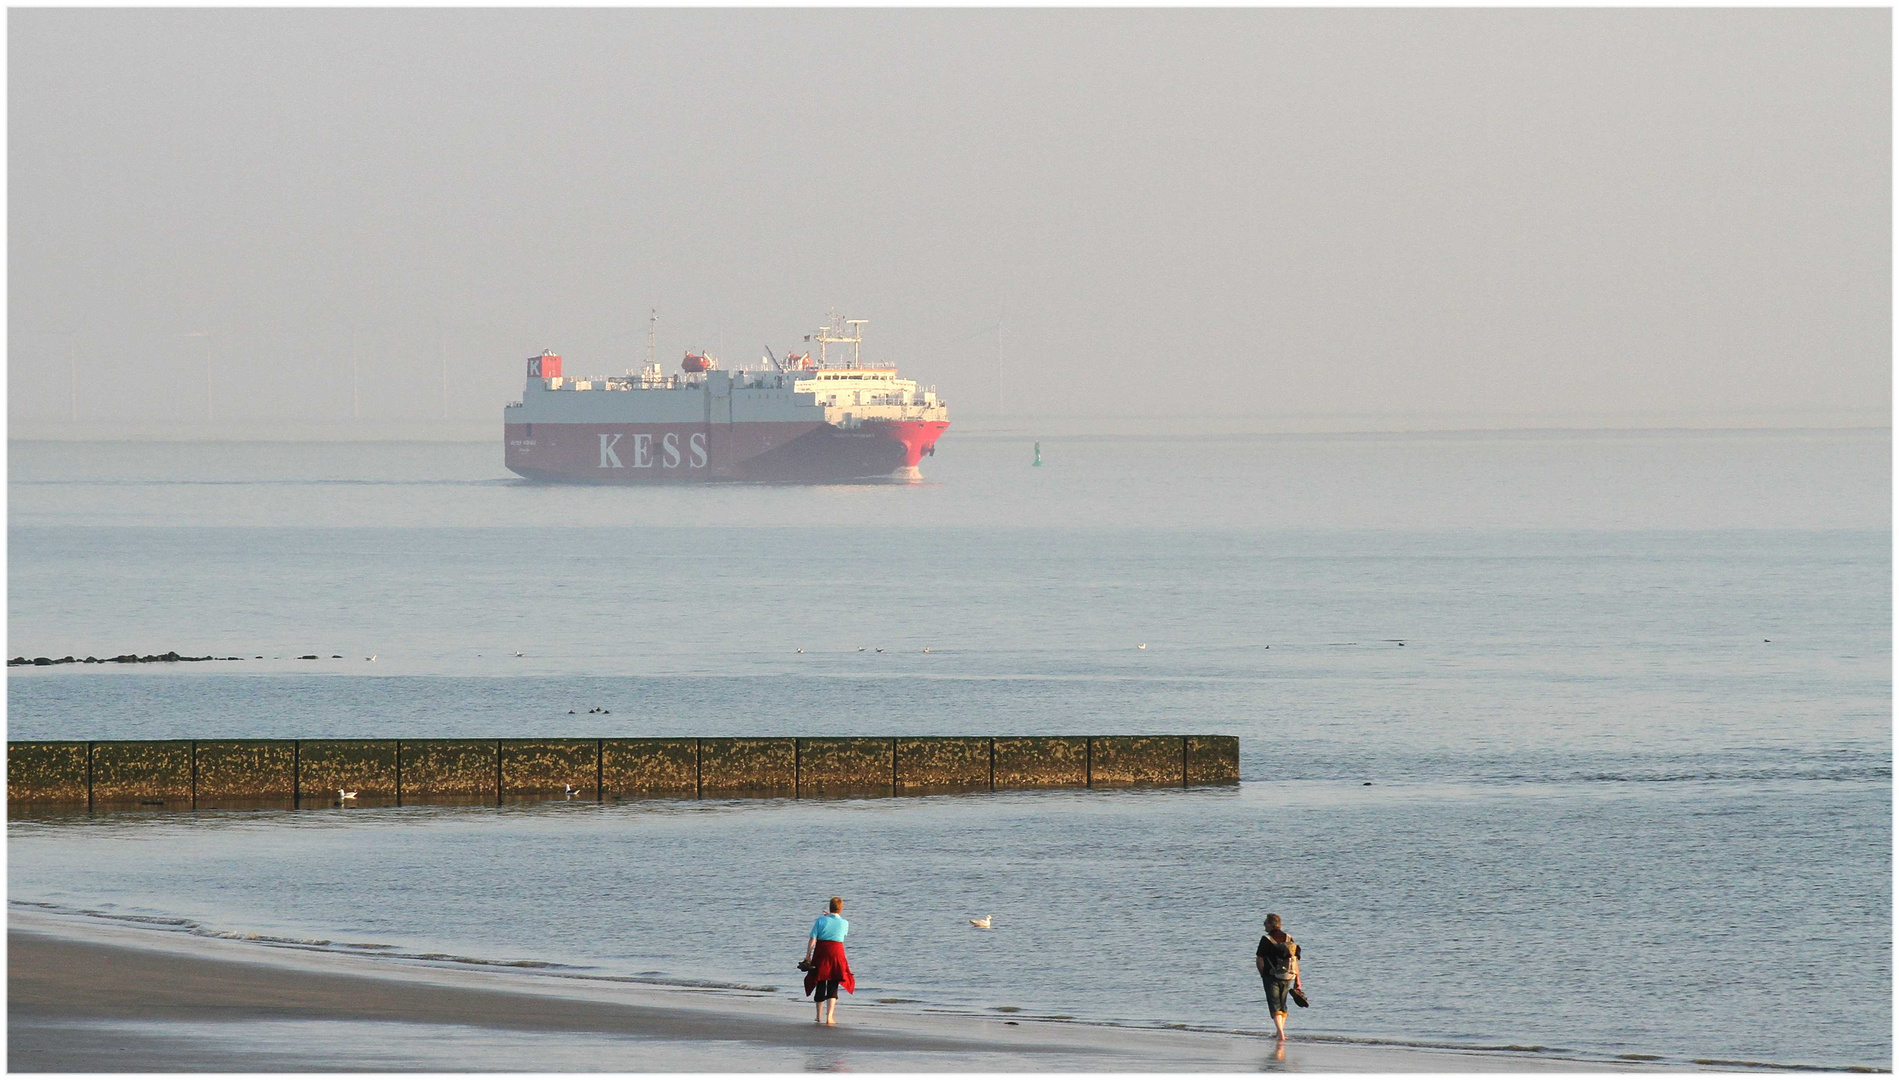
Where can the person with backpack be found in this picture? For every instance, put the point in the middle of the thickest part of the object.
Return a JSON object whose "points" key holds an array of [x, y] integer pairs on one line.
{"points": [[1278, 962]]}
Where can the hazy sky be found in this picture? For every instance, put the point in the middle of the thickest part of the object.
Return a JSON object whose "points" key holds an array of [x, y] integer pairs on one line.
{"points": [[1168, 212]]}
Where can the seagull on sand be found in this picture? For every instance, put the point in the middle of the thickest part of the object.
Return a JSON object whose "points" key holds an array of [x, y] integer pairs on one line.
{"points": [[982, 923], [342, 795]]}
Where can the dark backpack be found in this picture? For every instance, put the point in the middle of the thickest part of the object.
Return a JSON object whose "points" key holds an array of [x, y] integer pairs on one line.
{"points": [[1280, 959]]}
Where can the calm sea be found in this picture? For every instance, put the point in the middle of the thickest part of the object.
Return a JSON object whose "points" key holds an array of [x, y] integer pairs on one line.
{"points": [[1570, 740]]}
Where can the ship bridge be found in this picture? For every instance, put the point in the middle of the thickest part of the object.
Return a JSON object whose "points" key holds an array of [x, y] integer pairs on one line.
{"points": [[851, 396]]}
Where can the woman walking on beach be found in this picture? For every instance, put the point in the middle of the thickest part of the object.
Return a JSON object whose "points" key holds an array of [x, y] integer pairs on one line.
{"points": [[825, 967], [1278, 961]]}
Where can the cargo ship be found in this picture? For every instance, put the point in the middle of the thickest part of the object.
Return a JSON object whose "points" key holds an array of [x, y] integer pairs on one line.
{"points": [[804, 419]]}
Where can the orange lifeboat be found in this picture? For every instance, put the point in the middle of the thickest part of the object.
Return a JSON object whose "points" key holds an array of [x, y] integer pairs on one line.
{"points": [[698, 362]]}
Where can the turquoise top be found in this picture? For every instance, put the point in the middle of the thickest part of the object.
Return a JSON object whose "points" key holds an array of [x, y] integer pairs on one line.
{"points": [[830, 927]]}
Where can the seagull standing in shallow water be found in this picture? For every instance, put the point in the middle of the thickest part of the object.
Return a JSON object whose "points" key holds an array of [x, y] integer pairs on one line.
{"points": [[982, 923]]}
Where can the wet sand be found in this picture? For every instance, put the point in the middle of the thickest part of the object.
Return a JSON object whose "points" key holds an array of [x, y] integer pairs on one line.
{"points": [[86, 999]]}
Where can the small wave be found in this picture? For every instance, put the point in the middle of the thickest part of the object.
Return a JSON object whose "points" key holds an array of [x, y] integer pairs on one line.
{"points": [[1849, 774], [263, 939], [660, 979], [383, 951], [1727, 1063], [143, 920], [450, 958]]}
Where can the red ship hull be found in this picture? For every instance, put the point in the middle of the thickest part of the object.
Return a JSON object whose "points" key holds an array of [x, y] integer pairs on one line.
{"points": [[762, 451]]}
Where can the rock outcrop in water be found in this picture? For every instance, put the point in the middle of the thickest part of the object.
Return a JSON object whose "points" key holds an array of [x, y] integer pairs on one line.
{"points": [[122, 658]]}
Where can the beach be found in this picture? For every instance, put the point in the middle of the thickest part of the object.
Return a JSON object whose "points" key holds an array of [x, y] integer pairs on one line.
{"points": [[114, 999]]}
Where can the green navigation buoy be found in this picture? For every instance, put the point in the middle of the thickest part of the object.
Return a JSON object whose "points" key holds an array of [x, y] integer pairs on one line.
{"points": [[1038, 455]]}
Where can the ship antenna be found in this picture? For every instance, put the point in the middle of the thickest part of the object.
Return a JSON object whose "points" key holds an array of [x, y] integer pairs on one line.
{"points": [[833, 334], [652, 338]]}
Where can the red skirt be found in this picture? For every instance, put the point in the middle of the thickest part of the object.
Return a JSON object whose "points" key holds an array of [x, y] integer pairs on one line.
{"points": [[829, 965]]}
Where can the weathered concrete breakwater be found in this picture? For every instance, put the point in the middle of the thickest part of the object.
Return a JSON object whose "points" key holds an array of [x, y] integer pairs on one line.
{"points": [[291, 773]]}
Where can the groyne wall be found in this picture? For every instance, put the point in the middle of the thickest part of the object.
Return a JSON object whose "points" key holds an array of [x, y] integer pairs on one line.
{"points": [[195, 774]]}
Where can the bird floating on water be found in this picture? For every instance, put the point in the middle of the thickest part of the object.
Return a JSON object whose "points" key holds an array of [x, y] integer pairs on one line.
{"points": [[982, 923], [1142, 645], [342, 795], [371, 658], [571, 790]]}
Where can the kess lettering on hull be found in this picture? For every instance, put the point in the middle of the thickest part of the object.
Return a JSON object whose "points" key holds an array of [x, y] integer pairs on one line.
{"points": [[643, 450], [799, 420]]}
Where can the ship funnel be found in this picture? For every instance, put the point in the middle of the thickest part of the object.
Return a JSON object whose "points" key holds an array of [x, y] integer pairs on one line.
{"points": [[544, 366]]}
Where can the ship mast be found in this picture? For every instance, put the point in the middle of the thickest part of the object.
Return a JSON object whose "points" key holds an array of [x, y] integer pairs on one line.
{"points": [[834, 334]]}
